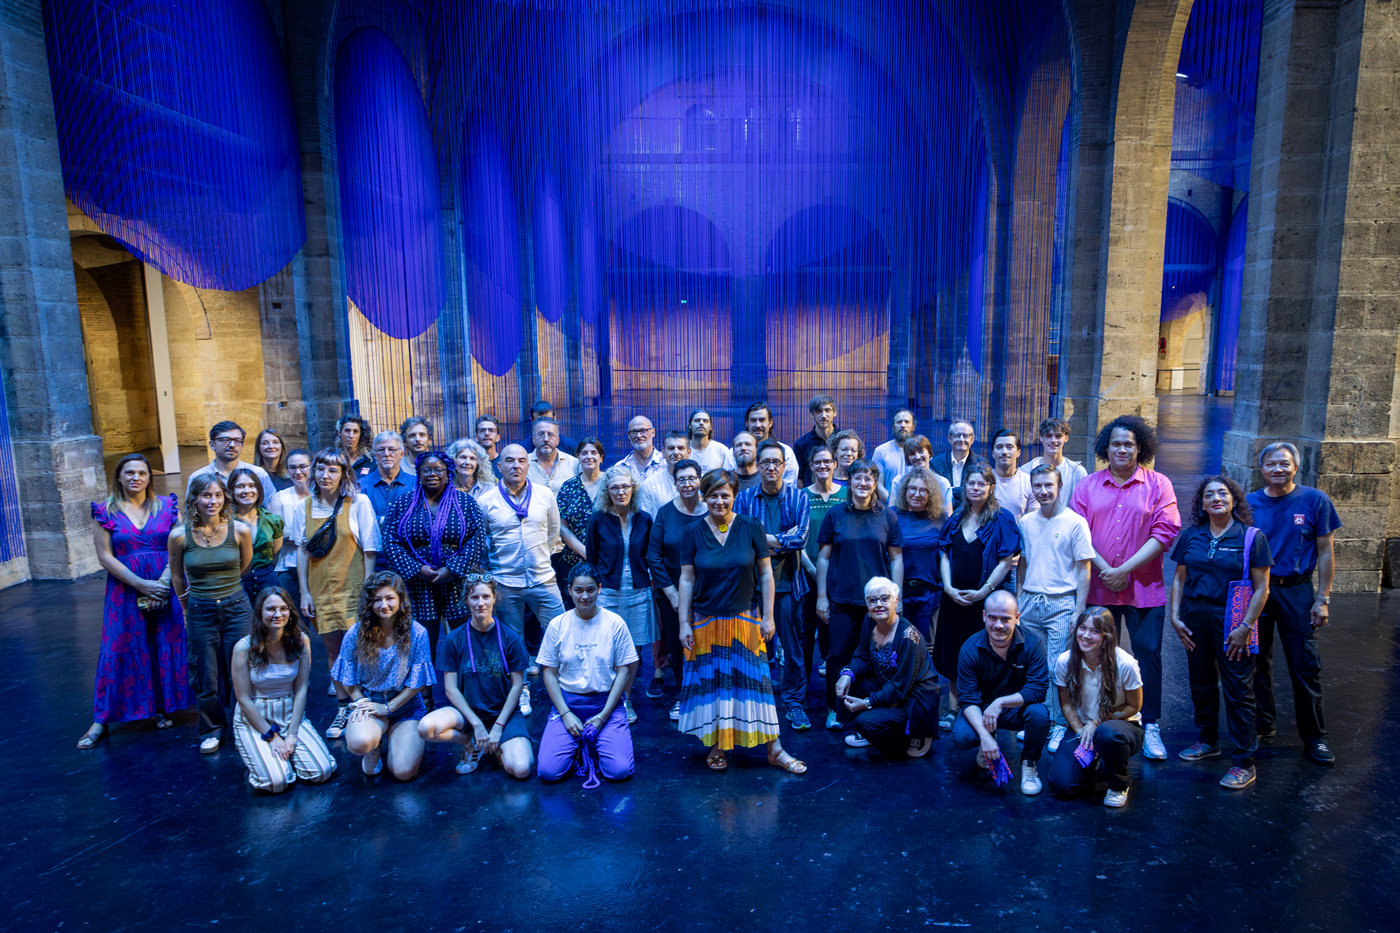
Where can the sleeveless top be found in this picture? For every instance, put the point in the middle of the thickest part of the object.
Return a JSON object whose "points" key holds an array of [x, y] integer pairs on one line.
{"points": [[273, 680], [213, 572]]}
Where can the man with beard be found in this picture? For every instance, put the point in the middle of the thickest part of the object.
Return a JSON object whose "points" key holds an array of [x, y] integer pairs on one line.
{"points": [[644, 459], [704, 450], [745, 455], [758, 421], [889, 456], [822, 408]]}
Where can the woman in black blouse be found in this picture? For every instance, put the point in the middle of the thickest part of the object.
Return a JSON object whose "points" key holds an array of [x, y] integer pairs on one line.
{"points": [[890, 684], [727, 697], [664, 560]]}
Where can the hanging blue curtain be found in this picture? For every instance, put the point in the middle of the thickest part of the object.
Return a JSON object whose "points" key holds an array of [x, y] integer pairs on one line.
{"points": [[1218, 77], [491, 247], [390, 206], [977, 275], [1189, 262], [177, 135], [551, 248], [1231, 295]]}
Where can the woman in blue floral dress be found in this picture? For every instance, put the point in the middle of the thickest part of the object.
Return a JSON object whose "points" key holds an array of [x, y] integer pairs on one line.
{"points": [[141, 667]]}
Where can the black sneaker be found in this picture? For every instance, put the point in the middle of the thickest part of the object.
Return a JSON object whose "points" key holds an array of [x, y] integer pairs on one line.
{"points": [[1319, 752], [654, 688], [337, 727]]}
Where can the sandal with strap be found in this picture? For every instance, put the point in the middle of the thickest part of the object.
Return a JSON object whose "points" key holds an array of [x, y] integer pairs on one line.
{"points": [[92, 736], [716, 761], [791, 766], [163, 721]]}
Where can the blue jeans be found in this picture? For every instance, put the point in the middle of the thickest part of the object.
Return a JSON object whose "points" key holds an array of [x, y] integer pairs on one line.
{"points": [[542, 598], [213, 627], [797, 632]]}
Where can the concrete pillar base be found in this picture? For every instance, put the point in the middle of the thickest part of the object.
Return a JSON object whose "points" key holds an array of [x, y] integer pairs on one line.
{"points": [[58, 481]]}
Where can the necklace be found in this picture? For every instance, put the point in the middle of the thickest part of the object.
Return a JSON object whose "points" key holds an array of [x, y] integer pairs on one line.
{"points": [[208, 537], [722, 528]]}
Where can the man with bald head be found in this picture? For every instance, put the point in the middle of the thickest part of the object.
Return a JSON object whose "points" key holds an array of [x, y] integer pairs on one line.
{"points": [[644, 459], [1002, 682], [522, 520]]}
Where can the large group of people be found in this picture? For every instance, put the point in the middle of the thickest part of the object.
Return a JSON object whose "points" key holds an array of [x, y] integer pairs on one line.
{"points": [[933, 593]]}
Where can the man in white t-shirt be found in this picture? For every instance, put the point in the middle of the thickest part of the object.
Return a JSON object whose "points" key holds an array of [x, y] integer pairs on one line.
{"points": [[1013, 490], [588, 660], [1053, 432], [1052, 574], [704, 449]]}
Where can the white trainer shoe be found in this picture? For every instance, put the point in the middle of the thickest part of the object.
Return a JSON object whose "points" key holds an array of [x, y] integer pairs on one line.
{"points": [[1030, 779], [1152, 746], [1115, 798], [525, 707], [1057, 735]]}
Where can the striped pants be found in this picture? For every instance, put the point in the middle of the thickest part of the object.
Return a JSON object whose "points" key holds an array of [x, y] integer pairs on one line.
{"points": [[311, 761]]}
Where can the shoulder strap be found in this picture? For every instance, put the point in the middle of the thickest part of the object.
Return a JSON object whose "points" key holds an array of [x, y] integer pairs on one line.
{"points": [[1249, 534]]}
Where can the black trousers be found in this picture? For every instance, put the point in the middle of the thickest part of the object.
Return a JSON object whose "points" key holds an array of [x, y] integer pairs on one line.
{"points": [[890, 728], [843, 631], [1115, 742], [1145, 629], [1034, 719], [1289, 612], [671, 631], [1212, 673]]}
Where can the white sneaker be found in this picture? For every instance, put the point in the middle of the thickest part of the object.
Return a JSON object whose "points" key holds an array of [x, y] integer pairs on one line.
{"points": [[1021, 736], [534, 669], [470, 758], [676, 712], [1057, 735], [342, 717], [373, 762], [1115, 798], [856, 740], [1152, 746], [525, 707], [1030, 779]]}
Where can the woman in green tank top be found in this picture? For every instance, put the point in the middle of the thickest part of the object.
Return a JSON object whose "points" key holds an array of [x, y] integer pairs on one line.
{"points": [[209, 554]]}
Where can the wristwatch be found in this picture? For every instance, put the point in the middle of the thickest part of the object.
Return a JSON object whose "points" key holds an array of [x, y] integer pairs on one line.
{"points": [[1325, 600]]}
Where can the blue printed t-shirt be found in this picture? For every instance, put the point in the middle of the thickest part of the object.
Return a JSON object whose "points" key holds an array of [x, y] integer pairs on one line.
{"points": [[484, 688], [1294, 523]]}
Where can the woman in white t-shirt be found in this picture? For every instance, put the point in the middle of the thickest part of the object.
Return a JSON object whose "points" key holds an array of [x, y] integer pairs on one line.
{"points": [[1101, 703], [588, 660]]}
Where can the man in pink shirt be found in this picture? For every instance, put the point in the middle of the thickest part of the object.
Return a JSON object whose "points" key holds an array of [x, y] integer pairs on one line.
{"points": [[1133, 519]]}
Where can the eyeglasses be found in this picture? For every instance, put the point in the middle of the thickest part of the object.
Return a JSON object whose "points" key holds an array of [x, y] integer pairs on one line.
{"points": [[620, 488], [277, 611], [776, 464], [687, 480], [479, 578], [960, 436], [229, 441], [432, 471], [638, 432], [305, 467], [879, 600]]}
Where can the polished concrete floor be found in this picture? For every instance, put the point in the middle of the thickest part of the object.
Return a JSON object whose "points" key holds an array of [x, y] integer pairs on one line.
{"points": [[143, 833]]}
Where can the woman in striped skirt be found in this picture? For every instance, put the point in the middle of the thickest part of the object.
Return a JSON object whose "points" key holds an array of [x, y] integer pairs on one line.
{"points": [[727, 696], [271, 667]]}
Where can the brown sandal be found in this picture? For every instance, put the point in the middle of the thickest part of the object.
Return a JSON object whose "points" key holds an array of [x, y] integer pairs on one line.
{"points": [[716, 761], [793, 765], [92, 736]]}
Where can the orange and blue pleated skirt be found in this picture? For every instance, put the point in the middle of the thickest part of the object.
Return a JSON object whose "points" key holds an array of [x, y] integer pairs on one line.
{"points": [[727, 694]]}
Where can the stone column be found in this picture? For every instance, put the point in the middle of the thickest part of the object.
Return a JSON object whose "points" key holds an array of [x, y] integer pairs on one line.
{"points": [[58, 460], [1117, 227], [1320, 320]]}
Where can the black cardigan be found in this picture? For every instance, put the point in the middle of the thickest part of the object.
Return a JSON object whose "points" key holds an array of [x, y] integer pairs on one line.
{"points": [[604, 547], [914, 673]]}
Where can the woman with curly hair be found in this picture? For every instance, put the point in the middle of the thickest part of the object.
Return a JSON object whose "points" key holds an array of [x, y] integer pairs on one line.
{"points": [[977, 549], [271, 668], [141, 666], [1211, 553], [847, 447], [919, 505], [471, 467], [383, 663], [1133, 518], [209, 553], [1100, 693], [337, 539]]}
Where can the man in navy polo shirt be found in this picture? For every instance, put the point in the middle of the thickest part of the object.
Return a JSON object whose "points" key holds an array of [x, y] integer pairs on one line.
{"points": [[1299, 522]]}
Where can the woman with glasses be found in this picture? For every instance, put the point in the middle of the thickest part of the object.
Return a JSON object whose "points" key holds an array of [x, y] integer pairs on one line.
{"points": [[271, 668], [576, 498], [617, 548], [285, 503], [270, 453], [483, 665], [890, 685], [977, 548], [433, 538], [858, 539], [337, 538], [672, 523], [1210, 555]]}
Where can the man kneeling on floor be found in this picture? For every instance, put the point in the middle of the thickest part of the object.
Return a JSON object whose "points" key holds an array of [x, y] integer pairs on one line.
{"points": [[1002, 681]]}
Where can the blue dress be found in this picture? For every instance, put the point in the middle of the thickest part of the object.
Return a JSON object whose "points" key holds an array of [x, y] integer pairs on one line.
{"points": [[141, 666]]}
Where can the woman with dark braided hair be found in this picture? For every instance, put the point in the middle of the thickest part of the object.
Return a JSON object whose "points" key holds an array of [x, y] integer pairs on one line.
{"points": [[384, 661], [1100, 687], [433, 537]]}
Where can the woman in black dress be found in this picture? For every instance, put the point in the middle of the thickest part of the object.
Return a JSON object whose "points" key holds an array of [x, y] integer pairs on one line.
{"points": [[977, 549]]}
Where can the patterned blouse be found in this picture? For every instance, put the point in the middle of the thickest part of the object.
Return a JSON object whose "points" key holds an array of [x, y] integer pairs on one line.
{"points": [[393, 672], [463, 550], [575, 511]]}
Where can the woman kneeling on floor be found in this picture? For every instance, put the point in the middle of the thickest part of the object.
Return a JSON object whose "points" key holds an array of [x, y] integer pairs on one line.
{"points": [[483, 665], [1100, 689], [588, 660], [890, 683], [384, 661], [270, 669]]}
